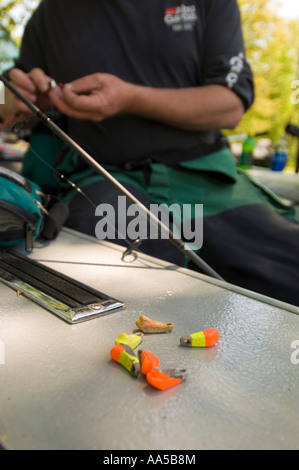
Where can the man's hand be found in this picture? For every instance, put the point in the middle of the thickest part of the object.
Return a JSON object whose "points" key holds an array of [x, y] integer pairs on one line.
{"points": [[34, 86], [94, 97], [100, 96]]}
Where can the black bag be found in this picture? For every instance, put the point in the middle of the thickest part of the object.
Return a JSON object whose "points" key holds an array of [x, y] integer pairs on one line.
{"points": [[26, 212]]}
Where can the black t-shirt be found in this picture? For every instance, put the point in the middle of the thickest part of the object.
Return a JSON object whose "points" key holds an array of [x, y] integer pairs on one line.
{"points": [[161, 43]]}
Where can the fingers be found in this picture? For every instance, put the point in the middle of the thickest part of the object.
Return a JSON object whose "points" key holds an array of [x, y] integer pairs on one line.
{"points": [[31, 85], [34, 81], [81, 99], [21, 79], [40, 80], [70, 104], [88, 83], [81, 102], [84, 94], [90, 93], [94, 97], [24, 85]]}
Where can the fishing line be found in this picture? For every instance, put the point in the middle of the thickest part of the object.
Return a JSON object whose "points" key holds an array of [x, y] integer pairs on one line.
{"points": [[18, 126], [176, 241], [82, 193], [133, 247]]}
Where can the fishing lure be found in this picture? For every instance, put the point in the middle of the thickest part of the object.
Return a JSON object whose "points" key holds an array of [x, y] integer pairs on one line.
{"points": [[130, 340], [146, 325], [163, 380], [203, 339], [125, 356]]}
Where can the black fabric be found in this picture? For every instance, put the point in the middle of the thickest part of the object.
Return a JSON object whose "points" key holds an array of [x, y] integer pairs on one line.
{"points": [[162, 43], [58, 213], [224, 57], [255, 248]]}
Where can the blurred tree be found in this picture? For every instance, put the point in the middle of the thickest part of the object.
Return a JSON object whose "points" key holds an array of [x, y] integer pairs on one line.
{"points": [[14, 15], [270, 50], [8, 49], [294, 31]]}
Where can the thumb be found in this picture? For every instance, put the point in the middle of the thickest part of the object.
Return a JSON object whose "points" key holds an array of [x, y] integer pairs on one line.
{"points": [[86, 84]]}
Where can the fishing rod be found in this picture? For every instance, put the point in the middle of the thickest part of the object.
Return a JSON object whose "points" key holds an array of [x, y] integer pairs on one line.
{"points": [[175, 240]]}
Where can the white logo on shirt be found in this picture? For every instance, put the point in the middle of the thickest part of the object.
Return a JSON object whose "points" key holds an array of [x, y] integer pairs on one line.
{"points": [[181, 18], [237, 65]]}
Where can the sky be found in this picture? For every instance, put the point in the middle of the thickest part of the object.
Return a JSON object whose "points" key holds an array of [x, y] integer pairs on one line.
{"points": [[289, 9]]}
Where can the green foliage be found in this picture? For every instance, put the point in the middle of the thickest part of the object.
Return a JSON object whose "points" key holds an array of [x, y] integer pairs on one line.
{"points": [[13, 17], [272, 50], [8, 50]]}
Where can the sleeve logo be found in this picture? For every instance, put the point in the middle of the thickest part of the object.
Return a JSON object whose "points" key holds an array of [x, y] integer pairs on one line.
{"points": [[236, 66]]}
